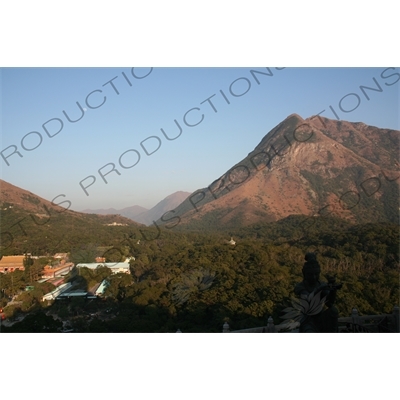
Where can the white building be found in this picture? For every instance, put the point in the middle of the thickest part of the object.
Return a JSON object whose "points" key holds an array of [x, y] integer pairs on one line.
{"points": [[119, 267]]}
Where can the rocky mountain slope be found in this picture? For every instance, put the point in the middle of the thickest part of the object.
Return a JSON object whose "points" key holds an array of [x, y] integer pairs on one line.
{"points": [[313, 166]]}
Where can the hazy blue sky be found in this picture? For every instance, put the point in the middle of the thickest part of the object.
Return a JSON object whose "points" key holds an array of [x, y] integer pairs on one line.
{"points": [[33, 96]]}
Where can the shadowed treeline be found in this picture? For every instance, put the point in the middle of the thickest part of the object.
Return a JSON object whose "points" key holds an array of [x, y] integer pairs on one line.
{"points": [[196, 281]]}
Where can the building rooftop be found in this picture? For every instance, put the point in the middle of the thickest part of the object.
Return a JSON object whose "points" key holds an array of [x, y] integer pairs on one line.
{"points": [[111, 265], [12, 261]]}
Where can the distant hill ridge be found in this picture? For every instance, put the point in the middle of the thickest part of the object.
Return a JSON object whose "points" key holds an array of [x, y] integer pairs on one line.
{"points": [[128, 212], [141, 214]]}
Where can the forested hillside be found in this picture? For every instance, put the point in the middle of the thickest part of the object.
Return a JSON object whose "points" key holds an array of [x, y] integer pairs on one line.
{"points": [[195, 282]]}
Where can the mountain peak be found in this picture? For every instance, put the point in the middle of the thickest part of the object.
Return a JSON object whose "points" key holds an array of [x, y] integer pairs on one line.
{"points": [[302, 167], [294, 115]]}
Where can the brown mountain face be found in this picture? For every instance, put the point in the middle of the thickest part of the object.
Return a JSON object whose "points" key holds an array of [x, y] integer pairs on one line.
{"points": [[27, 203], [15, 197], [315, 166]]}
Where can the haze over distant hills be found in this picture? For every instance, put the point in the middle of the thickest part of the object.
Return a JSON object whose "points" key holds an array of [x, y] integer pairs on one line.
{"points": [[315, 166], [141, 214], [128, 212]]}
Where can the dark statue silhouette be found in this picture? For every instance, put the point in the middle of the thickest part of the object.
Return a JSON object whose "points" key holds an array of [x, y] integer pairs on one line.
{"points": [[311, 289]]}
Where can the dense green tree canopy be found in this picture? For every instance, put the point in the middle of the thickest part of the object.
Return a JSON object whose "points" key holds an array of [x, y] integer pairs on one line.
{"points": [[197, 281]]}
